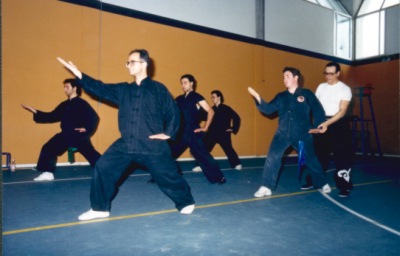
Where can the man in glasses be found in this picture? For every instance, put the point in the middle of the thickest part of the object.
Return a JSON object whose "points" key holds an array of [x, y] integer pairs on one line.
{"points": [[334, 135], [78, 122], [147, 118]]}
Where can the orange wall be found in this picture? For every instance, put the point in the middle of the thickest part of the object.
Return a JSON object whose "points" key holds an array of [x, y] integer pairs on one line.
{"points": [[36, 32]]}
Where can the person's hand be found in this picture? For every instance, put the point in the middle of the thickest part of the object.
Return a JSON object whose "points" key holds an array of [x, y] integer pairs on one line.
{"points": [[80, 129], [29, 108], [200, 130], [314, 131], [160, 136], [321, 129], [254, 94], [71, 67]]}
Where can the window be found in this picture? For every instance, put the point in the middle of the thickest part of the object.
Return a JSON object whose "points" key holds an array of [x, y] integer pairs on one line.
{"points": [[343, 36], [370, 27], [343, 27], [331, 4]]}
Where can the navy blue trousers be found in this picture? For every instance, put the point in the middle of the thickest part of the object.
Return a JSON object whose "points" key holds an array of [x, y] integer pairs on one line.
{"points": [[273, 162], [57, 146], [225, 141], [194, 141], [114, 163]]}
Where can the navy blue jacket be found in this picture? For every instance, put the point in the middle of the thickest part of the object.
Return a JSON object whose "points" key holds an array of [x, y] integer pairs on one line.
{"points": [[74, 113], [224, 118], [295, 111], [143, 110], [191, 114]]}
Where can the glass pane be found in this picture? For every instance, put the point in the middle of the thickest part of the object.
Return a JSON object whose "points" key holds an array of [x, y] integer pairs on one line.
{"points": [[325, 3], [367, 37], [370, 6], [389, 3], [338, 7], [343, 37]]}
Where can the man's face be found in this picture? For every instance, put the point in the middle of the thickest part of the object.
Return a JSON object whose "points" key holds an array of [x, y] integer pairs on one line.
{"points": [[289, 80], [215, 99], [135, 65], [186, 85], [69, 90], [331, 76]]}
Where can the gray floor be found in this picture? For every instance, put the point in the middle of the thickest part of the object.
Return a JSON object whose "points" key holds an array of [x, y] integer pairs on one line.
{"points": [[41, 218]]}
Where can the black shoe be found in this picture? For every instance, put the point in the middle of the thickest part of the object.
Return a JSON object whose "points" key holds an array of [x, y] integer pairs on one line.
{"points": [[222, 181], [344, 193], [306, 186], [151, 181]]}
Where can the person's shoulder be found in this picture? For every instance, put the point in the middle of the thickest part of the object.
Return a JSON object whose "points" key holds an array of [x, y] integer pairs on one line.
{"points": [[343, 85], [302, 90]]}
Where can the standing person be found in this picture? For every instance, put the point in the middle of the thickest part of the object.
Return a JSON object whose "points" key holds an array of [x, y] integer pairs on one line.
{"points": [[147, 118], [294, 107], [78, 121], [225, 122], [334, 135], [192, 134]]}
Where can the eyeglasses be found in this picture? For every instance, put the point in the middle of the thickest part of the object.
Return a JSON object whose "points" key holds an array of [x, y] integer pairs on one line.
{"points": [[329, 73], [132, 62]]}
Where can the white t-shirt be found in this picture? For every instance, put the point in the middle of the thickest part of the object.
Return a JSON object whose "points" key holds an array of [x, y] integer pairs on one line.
{"points": [[331, 95]]}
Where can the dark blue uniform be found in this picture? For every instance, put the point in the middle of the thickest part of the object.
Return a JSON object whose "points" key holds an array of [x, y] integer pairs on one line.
{"points": [[74, 113], [224, 118], [294, 112], [144, 110], [191, 117]]}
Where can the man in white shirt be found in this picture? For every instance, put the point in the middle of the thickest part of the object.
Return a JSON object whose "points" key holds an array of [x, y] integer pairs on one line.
{"points": [[334, 135]]}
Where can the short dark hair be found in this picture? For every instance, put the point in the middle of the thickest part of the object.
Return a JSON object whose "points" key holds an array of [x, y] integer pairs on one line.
{"points": [[219, 94], [191, 79], [143, 55], [333, 64], [295, 72], [74, 84]]}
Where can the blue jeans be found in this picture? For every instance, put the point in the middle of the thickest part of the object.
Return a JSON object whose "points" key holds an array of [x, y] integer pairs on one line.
{"points": [[274, 160]]}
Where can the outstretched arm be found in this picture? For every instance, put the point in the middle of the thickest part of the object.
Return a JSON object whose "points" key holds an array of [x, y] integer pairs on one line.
{"points": [[71, 67], [254, 94], [29, 108]]}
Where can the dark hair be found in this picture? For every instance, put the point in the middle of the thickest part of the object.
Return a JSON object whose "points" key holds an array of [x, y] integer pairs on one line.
{"points": [[74, 84], [219, 94], [333, 64], [143, 55], [191, 79], [295, 72]]}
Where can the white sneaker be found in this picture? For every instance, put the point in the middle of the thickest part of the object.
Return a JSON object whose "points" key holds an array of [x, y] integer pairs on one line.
{"points": [[263, 191], [326, 189], [90, 215], [197, 169], [188, 209], [238, 167], [45, 176]]}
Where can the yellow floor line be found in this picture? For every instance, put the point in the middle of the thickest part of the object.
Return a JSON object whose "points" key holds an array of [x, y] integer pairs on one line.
{"points": [[18, 231]]}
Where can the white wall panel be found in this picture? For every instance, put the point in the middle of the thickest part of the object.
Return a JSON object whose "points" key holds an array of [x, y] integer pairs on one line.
{"points": [[235, 16]]}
